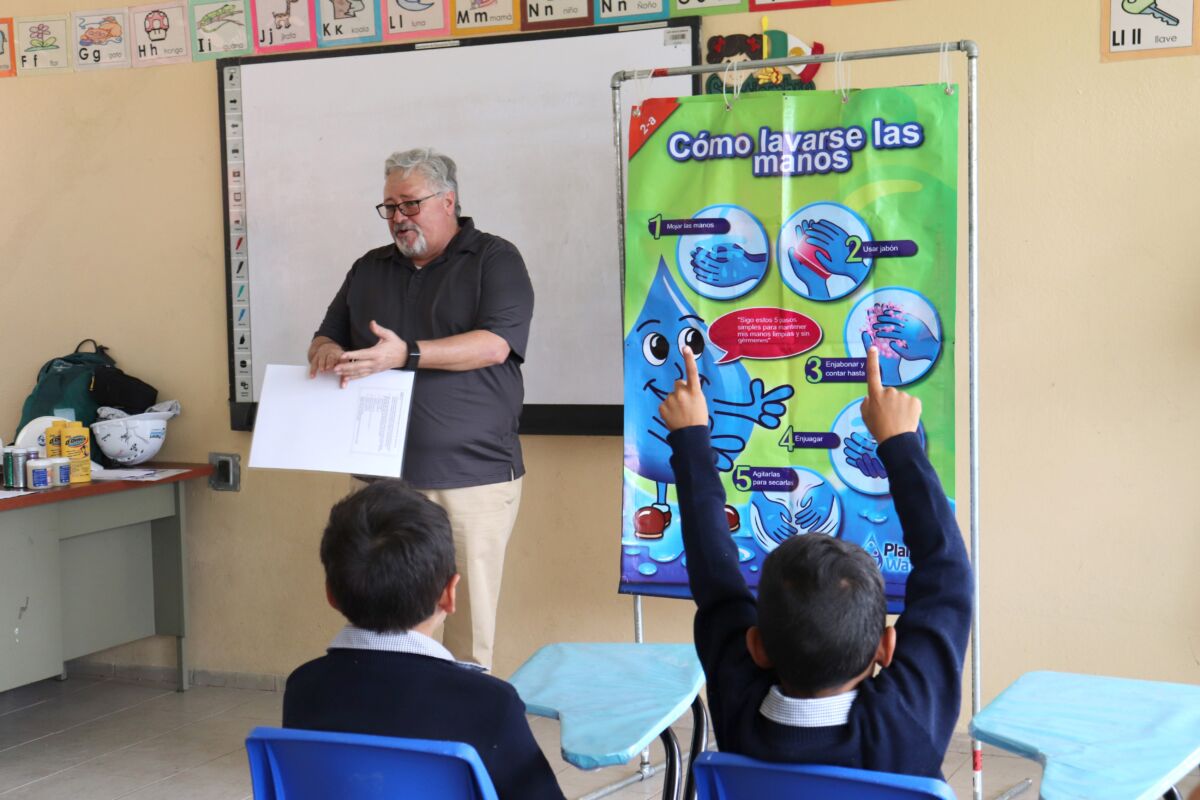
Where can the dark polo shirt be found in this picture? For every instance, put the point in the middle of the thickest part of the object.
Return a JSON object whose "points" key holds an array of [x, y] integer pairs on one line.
{"points": [[463, 429]]}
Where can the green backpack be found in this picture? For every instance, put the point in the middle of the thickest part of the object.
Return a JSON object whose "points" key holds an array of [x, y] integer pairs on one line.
{"points": [[66, 382]]}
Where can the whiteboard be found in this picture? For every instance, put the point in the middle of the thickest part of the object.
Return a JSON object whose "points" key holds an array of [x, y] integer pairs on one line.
{"points": [[529, 122]]}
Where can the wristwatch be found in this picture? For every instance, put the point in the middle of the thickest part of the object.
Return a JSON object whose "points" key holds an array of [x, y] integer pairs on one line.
{"points": [[414, 356]]}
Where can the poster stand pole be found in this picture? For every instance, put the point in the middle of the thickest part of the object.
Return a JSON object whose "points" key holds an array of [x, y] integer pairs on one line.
{"points": [[971, 50]]}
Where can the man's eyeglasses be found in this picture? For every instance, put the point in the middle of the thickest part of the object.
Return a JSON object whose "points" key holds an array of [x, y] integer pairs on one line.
{"points": [[409, 208]]}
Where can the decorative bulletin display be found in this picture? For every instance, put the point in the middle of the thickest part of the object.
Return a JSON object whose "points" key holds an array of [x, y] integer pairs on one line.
{"points": [[617, 11], [101, 38], [1148, 28], [547, 14], [178, 30], [347, 22], [737, 47], [160, 34], [43, 45], [405, 19], [779, 235], [220, 29], [281, 25], [485, 16], [8, 60]]}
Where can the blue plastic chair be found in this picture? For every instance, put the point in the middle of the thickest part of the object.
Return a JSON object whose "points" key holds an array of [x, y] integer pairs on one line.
{"points": [[288, 764], [722, 776]]}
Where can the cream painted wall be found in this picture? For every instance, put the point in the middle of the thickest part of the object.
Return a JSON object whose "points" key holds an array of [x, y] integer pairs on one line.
{"points": [[111, 185]]}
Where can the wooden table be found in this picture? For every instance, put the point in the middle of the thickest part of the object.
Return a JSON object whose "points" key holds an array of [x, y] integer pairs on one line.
{"points": [[91, 566]]}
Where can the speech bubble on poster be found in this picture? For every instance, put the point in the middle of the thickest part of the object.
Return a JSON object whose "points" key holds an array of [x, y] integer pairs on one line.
{"points": [[764, 333]]}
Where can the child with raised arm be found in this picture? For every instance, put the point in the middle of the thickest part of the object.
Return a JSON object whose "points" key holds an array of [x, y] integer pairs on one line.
{"points": [[793, 677]]}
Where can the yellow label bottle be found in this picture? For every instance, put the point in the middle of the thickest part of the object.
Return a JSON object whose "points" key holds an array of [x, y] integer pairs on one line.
{"points": [[77, 446], [54, 440]]}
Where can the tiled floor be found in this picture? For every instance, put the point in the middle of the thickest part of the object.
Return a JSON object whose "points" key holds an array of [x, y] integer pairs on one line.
{"points": [[104, 739]]}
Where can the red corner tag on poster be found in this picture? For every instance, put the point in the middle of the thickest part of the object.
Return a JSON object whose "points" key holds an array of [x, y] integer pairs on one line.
{"points": [[647, 118]]}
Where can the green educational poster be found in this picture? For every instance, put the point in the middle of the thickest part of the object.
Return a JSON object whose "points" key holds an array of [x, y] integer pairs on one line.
{"points": [[780, 236]]}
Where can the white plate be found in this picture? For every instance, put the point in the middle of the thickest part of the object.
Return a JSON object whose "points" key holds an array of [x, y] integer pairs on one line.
{"points": [[34, 434]]}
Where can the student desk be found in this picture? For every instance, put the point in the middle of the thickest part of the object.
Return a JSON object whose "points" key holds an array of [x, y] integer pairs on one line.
{"points": [[612, 700], [1098, 738], [91, 566]]}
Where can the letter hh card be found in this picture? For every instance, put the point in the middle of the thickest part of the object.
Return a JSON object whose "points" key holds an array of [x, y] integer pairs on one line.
{"points": [[347, 22], [281, 25], [220, 29], [160, 34], [485, 16], [101, 38], [43, 45], [408, 19]]}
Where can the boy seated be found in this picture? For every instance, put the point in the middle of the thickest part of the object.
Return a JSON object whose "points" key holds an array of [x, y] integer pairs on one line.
{"points": [[792, 678], [389, 568]]}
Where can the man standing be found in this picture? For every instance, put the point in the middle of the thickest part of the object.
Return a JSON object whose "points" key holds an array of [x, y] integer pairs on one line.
{"points": [[454, 303]]}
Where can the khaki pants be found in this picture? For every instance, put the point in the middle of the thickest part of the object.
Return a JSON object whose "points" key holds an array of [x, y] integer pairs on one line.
{"points": [[482, 519]]}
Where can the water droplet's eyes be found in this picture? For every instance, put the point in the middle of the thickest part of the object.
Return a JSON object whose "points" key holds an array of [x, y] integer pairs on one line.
{"points": [[693, 339], [656, 348]]}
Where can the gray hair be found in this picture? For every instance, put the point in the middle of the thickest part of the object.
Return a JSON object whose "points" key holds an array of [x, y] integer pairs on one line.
{"points": [[436, 168]]}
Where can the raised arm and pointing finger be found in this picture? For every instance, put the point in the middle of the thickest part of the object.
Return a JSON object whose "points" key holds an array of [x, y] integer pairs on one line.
{"points": [[887, 411]]}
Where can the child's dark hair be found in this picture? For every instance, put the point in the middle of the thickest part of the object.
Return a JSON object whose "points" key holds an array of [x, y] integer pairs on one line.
{"points": [[388, 554], [821, 611]]}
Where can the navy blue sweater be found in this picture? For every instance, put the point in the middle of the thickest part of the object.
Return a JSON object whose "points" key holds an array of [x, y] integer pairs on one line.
{"points": [[902, 718], [421, 697]]}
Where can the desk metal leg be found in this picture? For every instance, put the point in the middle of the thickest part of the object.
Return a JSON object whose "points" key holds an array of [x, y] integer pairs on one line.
{"points": [[699, 744], [673, 759]]}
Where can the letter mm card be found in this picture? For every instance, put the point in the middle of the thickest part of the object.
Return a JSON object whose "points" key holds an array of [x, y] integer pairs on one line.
{"points": [[220, 29], [413, 19], [43, 45], [485, 16], [100, 38], [347, 22], [282, 25], [160, 34]]}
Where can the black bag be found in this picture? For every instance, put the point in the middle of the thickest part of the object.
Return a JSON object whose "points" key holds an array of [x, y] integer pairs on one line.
{"points": [[82, 382]]}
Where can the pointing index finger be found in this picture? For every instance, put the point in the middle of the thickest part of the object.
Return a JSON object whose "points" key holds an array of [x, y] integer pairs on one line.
{"points": [[693, 374], [874, 379]]}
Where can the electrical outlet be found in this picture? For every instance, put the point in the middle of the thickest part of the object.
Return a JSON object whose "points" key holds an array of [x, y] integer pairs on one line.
{"points": [[227, 472]]}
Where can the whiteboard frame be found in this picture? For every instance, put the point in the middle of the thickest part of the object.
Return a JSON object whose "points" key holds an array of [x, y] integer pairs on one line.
{"points": [[550, 419]]}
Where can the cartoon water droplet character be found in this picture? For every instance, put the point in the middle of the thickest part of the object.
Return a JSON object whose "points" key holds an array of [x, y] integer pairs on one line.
{"points": [[157, 25], [653, 362], [872, 548]]}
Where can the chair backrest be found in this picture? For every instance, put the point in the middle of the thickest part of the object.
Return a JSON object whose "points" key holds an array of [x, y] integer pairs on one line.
{"points": [[289, 764], [722, 776]]}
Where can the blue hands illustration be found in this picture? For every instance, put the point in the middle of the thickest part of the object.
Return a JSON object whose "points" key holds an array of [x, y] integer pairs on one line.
{"points": [[833, 251], [861, 454], [774, 516], [727, 265], [910, 337], [815, 506], [813, 282]]}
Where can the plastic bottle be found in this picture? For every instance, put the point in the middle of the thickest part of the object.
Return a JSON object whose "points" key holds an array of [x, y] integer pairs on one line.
{"points": [[54, 440], [77, 446], [37, 473]]}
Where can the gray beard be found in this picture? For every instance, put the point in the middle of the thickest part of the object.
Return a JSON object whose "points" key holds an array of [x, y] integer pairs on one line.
{"points": [[416, 249]]}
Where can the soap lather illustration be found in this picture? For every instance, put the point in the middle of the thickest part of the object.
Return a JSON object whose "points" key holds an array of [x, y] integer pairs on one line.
{"points": [[653, 362]]}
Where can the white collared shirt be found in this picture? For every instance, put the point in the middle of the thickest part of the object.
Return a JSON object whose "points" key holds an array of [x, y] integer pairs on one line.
{"points": [[807, 712], [352, 638]]}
